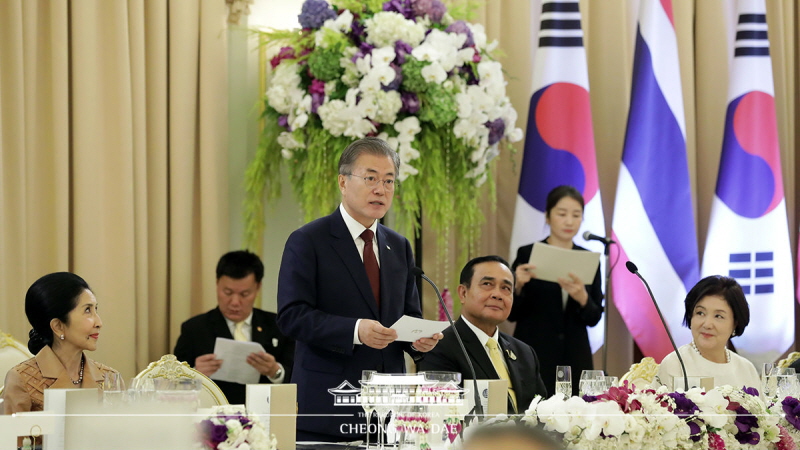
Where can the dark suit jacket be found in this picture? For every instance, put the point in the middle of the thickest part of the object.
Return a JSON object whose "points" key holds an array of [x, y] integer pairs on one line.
{"points": [[557, 334], [199, 334], [322, 290], [523, 371]]}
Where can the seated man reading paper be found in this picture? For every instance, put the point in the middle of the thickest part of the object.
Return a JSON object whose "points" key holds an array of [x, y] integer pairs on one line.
{"points": [[486, 292]]}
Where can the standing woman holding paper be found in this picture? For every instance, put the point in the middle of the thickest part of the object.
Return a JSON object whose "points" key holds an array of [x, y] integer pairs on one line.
{"points": [[552, 317]]}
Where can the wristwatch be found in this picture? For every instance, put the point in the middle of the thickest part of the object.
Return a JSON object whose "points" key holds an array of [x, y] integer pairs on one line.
{"points": [[278, 374]]}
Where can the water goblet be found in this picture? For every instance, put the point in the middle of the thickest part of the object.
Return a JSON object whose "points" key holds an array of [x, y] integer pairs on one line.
{"points": [[382, 409], [113, 389], [591, 382], [564, 381]]}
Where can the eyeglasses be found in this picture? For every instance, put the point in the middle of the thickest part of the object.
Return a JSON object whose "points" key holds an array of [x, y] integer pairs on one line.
{"points": [[372, 181]]}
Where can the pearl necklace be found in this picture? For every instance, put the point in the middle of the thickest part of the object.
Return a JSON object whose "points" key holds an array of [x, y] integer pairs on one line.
{"points": [[727, 353], [80, 374]]}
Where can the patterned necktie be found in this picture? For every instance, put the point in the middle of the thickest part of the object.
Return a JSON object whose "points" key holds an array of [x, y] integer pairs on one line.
{"points": [[497, 361], [371, 264], [238, 334]]}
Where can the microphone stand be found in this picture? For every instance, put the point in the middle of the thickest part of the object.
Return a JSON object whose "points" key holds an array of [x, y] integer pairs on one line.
{"points": [[607, 276], [634, 270], [477, 411]]}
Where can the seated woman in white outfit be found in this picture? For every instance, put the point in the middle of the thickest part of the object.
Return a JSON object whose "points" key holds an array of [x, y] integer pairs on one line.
{"points": [[716, 311]]}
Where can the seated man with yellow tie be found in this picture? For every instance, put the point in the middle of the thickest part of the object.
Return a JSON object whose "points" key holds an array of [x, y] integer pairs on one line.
{"points": [[486, 292], [239, 275]]}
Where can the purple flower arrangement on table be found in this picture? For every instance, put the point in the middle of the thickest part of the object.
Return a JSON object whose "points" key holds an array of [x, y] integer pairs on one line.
{"points": [[408, 71], [628, 418], [229, 427]]}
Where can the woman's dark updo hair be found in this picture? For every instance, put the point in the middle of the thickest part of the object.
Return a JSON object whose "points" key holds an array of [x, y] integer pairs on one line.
{"points": [[726, 288], [50, 297], [560, 192]]}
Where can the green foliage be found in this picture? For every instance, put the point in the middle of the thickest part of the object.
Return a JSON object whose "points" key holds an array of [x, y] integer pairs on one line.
{"points": [[463, 9]]}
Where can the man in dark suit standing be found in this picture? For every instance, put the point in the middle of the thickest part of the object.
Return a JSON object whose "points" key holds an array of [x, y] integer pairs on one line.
{"points": [[486, 291], [239, 275], [344, 279]]}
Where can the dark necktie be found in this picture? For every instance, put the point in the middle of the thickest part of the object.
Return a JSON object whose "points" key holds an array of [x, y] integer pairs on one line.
{"points": [[371, 264]]}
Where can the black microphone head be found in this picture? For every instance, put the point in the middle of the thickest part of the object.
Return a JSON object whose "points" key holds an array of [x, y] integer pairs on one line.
{"points": [[631, 267], [416, 271], [587, 235]]}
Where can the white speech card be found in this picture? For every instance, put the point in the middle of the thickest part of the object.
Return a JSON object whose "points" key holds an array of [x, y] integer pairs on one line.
{"points": [[553, 263], [234, 361]]}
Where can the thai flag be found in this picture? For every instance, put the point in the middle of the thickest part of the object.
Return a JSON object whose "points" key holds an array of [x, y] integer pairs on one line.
{"points": [[653, 215], [748, 234], [559, 144]]}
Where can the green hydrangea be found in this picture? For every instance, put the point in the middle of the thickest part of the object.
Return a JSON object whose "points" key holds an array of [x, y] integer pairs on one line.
{"points": [[438, 106], [324, 64], [373, 6], [332, 39], [355, 6], [413, 81]]}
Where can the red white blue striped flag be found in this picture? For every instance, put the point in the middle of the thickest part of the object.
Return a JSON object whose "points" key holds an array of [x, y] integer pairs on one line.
{"points": [[653, 216]]}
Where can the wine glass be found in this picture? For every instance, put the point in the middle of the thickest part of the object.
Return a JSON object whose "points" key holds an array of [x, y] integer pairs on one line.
{"points": [[564, 381], [113, 389], [367, 398]]}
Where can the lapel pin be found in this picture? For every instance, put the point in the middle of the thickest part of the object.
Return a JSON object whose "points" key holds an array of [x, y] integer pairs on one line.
{"points": [[388, 248], [259, 329], [511, 355], [274, 342]]}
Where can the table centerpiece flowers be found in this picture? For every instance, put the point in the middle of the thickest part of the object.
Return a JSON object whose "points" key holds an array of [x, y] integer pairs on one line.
{"points": [[229, 427], [408, 71]]}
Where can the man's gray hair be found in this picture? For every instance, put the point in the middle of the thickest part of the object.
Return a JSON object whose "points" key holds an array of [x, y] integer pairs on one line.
{"points": [[368, 145]]}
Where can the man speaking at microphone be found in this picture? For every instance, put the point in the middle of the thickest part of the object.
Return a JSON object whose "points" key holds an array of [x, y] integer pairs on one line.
{"points": [[486, 292], [343, 280]]}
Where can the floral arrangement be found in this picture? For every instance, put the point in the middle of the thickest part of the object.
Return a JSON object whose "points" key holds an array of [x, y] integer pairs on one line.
{"points": [[627, 418], [229, 427], [408, 71]]}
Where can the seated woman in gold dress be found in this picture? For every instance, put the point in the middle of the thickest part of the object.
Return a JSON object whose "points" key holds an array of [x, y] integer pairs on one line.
{"points": [[62, 310]]}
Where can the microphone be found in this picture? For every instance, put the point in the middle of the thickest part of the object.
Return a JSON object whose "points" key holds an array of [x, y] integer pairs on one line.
{"points": [[635, 270], [478, 410], [588, 236]]}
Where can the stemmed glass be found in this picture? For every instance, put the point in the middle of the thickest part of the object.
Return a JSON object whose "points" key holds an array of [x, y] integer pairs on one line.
{"points": [[382, 408], [367, 397], [113, 389]]}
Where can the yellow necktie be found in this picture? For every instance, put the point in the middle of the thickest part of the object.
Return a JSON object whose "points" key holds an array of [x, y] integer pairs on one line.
{"points": [[497, 361], [238, 334]]}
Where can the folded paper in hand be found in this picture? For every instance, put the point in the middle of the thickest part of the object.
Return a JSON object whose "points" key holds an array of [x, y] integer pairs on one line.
{"points": [[409, 329]]}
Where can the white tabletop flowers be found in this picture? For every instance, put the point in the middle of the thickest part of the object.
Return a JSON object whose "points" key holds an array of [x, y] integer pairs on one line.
{"points": [[229, 427]]}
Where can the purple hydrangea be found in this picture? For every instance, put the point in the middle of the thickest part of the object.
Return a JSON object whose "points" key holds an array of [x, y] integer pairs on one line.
{"points": [[459, 26], [496, 130], [433, 8], [791, 406], [315, 13], [403, 7], [401, 50], [410, 102]]}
